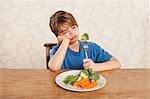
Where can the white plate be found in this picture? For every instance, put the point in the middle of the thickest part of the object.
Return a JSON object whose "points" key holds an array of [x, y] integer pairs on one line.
{"points": [[59, 81]]}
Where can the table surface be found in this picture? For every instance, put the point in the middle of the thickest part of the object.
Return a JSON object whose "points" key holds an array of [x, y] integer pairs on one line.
{"points": [[40, 84]]}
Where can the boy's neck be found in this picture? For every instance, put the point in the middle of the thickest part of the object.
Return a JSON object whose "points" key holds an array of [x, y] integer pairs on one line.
{"points": [[74, 46]]}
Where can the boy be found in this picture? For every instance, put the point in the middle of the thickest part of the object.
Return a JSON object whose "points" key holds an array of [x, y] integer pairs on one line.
{"points": [[69, 53]]}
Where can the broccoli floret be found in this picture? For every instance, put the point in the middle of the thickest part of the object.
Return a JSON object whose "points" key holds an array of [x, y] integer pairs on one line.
{"points": [[85, 37], [84, 74], [91, 71], [94, 76]]}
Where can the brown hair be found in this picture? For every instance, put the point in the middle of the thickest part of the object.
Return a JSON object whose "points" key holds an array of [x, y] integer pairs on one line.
{"points": [[59, 18]]}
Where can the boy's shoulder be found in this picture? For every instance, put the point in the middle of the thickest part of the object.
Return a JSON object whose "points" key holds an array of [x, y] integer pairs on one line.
{"points": [[55, 47], [93, 44]]}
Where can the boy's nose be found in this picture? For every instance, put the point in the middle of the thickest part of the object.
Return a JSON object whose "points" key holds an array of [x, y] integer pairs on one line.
{"points": [[70, 31]]}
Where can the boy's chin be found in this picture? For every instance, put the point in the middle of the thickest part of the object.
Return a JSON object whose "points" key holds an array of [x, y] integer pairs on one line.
{"points": [[71, 42]]}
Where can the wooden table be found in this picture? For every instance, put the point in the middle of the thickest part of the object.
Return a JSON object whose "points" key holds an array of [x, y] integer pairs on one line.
{"points": [[40, 84]]}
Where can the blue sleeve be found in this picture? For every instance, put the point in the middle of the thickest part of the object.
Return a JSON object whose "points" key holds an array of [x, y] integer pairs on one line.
{"points": [[101, 54], [53, 50]]}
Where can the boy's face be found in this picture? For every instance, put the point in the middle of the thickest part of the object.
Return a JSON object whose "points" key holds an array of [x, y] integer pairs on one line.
{"points": [[70, 31]]}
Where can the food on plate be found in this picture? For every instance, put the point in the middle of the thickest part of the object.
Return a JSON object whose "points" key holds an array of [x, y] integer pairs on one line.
{"points": [[84, 80]]}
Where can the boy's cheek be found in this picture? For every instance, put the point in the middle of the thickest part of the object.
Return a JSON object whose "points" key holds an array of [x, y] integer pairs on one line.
{"points": [[69, 36]]}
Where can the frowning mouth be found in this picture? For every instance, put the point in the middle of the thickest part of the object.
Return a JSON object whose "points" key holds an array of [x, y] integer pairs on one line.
{"points": [[73, 38]]}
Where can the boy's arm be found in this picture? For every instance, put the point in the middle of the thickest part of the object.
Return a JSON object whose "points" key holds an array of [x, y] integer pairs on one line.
{"points": [[57, 59], [113, 63]]}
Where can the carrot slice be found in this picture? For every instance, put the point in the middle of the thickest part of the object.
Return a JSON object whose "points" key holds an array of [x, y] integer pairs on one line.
{"points": [[91, 85], [85, 84]]}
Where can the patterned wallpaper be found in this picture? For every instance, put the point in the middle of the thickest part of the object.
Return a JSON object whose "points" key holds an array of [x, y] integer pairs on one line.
{"points": [[120, 26]]}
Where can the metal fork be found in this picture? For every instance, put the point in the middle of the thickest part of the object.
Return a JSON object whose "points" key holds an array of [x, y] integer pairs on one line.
{"points": [[85, 45]]}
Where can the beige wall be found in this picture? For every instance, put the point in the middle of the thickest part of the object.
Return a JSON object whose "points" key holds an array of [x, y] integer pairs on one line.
{"points": [[121, 26]]}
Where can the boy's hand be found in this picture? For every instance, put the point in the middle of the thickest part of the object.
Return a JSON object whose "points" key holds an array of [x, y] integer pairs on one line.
{"points": [[88, 63], [64, 38]]}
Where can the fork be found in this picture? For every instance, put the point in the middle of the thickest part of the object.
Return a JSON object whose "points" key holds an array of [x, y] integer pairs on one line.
{"points": [[85, 45]]}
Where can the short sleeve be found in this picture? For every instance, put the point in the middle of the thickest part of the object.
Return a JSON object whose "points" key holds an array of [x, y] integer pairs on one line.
{"points": [[53, 50], [101, 54]]}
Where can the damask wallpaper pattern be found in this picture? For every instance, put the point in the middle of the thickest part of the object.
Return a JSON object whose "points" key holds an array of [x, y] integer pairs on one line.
{"points": [[122, 27]]}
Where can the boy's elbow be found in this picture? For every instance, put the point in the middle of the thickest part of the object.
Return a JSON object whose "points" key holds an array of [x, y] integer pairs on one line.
{"points": [[53, 68], [118, 64]]}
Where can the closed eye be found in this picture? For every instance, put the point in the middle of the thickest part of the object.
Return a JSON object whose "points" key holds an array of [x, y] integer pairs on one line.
{"points": [[73, 27], [65, 32]]}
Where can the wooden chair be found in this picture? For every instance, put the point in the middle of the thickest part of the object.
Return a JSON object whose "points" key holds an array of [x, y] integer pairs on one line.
{"points": [[48, 47]]}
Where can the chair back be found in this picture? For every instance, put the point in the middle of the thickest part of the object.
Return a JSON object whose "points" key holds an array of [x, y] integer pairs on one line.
{"points": [[48, 47]]}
